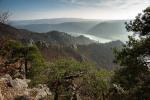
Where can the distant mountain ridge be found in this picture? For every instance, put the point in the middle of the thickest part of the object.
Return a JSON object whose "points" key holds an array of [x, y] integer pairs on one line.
{"points": [[77, 27], [53, 37], [48, 21], [111, 29]]}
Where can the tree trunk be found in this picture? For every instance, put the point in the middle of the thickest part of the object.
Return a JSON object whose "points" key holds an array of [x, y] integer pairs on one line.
{"points": [[74, 97], [103, 96], [74, 91], [26, 67], [56, 96]]}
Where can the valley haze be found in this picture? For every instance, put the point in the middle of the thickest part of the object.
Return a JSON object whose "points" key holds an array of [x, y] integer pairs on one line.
{"points": [[74, 49], [98, 30]]}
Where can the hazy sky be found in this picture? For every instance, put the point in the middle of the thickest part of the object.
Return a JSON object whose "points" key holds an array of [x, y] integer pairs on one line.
{"points": [[88, 9]]}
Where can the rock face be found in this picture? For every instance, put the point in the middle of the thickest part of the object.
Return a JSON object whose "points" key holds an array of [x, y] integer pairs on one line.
{"points": [[42, 91], [17, 89], [16, 83]]}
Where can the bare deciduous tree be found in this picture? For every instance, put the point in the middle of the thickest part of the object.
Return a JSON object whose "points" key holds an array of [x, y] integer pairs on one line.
{"points": [[4, 16]]}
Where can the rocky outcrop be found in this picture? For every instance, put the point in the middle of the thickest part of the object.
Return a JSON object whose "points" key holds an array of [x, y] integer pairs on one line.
{"points": [[42, 91], [17, 89]]}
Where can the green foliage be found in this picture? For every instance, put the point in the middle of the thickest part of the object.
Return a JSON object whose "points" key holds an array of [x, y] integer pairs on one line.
{"points": [[64, 73], [96, 85], [141, 24], [89, 82], [30, 57], [133, 77], [38, 65], [7, 48]]}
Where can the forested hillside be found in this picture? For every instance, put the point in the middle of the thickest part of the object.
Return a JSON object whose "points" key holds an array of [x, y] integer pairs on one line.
{"points": [[54, 65], [58, 45], [55, 59]]}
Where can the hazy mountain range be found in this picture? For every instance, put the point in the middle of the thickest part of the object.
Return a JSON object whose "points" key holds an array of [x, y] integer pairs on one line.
{"points": [[108, 30], [54, 45], [49, 21]]}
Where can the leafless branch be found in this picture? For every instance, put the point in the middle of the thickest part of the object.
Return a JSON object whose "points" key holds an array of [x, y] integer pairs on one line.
{"points": [[4, 16]]}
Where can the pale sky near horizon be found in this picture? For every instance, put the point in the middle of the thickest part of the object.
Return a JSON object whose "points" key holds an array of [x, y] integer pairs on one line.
{"points": [[87, 9]]}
